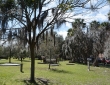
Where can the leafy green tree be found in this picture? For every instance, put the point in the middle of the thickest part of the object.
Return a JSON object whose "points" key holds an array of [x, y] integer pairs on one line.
{"points": [[51, 42]]}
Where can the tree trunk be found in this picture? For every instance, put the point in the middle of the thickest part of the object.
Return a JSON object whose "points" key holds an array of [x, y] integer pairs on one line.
{"points": [[10, 56], [32, 75], [96, 63]]}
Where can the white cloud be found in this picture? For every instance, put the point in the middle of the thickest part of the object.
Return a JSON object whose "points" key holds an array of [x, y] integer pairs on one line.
{"points": [[101, 17], [68, 25], [105, 9], [63, 33]]}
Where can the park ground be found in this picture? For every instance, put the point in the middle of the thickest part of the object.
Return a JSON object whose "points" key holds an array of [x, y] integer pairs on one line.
{"points": [[63, 74]]}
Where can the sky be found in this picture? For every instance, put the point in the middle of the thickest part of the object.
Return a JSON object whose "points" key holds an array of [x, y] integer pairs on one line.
{"points": [[99, 15]]}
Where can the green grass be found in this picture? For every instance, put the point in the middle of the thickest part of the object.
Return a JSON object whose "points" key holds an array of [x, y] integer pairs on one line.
{"points": [[58, 75]]}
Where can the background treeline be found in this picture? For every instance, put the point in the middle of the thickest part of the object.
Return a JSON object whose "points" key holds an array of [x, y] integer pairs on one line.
{"points": [[85, 41]]}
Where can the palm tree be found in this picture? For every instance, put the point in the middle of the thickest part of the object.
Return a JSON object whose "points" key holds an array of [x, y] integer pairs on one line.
{"points": [[74, 43], [94, 25], [78, 24], [105, 25], [70, 32]]}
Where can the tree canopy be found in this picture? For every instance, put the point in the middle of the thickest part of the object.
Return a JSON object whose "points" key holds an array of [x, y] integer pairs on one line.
{"points": [[82, 45]]}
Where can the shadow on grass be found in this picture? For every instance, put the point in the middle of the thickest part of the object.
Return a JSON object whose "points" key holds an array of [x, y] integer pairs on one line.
{"points": [[106, 66], [38, 81], [1, 63], [28, 82], [60, 71], [24, 60]]}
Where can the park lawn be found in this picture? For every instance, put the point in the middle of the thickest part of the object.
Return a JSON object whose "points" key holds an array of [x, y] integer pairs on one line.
{"points": [[58, 75]]}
